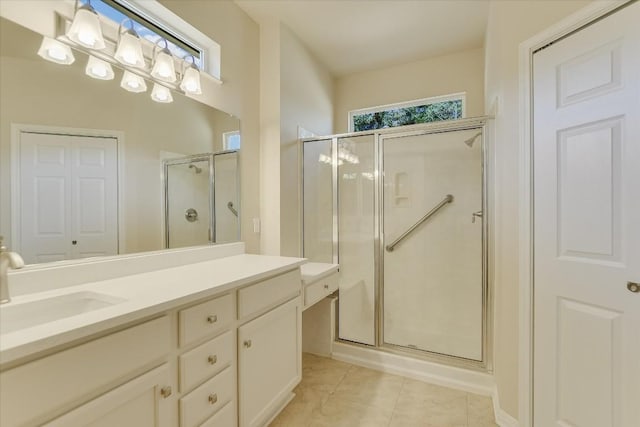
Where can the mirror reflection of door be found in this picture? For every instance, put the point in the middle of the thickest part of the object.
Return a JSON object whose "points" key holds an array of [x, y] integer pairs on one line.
{"points": [[68, 197]]}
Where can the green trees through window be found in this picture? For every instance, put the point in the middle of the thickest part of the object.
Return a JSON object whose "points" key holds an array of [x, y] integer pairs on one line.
{"points": [[438, 111]]}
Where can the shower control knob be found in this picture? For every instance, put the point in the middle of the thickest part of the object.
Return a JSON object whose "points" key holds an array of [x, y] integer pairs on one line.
{"points": [[475, 215]]}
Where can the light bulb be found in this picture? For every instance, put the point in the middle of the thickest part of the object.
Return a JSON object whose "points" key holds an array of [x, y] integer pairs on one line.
{"points": [[54, 51], [99, 69], [85, 28], [163, 67], [191, 81], [133, 82], [161, 94], [129, 50]]}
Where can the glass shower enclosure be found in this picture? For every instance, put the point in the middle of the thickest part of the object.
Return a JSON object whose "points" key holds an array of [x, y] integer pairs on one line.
{"points": [[403, 211], [201, 199]]}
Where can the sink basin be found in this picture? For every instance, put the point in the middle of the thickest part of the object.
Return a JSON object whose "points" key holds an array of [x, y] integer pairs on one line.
{"points": [[17, 316]]}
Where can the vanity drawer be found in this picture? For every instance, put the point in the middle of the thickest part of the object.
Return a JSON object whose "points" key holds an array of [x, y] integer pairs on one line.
{"points": [[43, 387], [260, 296], [205, 400], [205, 319], [320, 289], [225, 417], [205, 360]]}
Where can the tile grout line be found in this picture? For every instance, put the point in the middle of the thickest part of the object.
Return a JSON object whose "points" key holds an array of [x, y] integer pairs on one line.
{"points": [[393, 411]]}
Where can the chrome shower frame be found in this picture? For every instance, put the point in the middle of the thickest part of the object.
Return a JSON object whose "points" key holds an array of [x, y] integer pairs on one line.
{"points": [[481, 124], [204, 157]]}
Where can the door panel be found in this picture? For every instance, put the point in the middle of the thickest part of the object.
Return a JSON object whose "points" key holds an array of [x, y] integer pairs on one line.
{"points": [[69, 192], [586, 228]]}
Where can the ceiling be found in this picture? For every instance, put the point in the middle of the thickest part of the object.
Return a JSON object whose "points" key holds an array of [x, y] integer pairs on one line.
{"points": [[350, 36]]}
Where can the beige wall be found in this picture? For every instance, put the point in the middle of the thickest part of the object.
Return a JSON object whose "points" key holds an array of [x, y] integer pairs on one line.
{"points": [[441, 75], [510, 23], [306, 100]]}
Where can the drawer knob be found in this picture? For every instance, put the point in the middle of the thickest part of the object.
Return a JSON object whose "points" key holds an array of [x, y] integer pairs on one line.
{"points": [[212, 359], [247, 343], [212, 319], [213, 398], [326, 286], [165, 391]]}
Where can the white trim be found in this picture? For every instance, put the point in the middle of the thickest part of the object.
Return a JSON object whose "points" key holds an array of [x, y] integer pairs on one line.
{"points": [[18, 128], [462, 96], [525, 360], [503, 419], [421, 370]]}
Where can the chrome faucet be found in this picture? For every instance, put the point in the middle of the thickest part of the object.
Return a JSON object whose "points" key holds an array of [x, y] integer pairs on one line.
{"points": [[7, 259]]}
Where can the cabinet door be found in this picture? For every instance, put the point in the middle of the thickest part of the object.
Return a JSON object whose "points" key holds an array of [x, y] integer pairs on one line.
{"points": [[269, 357], [139, 402]]}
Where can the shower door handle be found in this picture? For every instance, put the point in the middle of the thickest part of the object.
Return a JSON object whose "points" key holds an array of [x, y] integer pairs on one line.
{"points": [[475, 215]]}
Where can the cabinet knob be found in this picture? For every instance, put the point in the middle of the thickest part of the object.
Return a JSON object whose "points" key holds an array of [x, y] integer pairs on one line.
{"points": [[165, 391], [247, 343], [212, 359], [212, 319], [633, 287], [213, 398], [326, 286]]}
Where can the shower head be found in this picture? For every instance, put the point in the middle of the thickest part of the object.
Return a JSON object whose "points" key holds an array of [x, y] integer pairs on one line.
{"points": [[471, 140], [192, 166]]}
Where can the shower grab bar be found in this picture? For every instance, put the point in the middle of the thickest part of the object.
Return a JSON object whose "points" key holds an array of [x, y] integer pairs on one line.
{"points": [[447, 199], [231, 208]]}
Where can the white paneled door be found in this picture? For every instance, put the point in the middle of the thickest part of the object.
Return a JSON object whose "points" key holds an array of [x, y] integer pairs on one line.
{"points": [[68, 197], [587, 226]]}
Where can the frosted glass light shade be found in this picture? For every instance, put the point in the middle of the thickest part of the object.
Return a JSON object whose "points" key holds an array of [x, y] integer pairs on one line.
{"points": [[161, 94], [85, 29], [191, 81], [163, 68], [98, 69], [129, 50], [54, 51], [133, 82]]}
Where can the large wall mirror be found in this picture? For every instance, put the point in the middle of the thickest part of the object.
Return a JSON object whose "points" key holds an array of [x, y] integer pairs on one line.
{"points": [[88, 169]]}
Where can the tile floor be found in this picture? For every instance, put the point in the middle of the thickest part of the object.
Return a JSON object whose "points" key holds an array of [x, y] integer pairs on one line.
{"points": [[334, 394]]}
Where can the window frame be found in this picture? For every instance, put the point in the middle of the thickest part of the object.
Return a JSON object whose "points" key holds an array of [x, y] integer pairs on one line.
{"points": [[164, 19], [458, 96]]}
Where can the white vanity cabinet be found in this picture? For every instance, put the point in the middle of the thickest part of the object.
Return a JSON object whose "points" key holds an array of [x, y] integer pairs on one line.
{"points": [[227, 359], [269, 348], [35, 392]]}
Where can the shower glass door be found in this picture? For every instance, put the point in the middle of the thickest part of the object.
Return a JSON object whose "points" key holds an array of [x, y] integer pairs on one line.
{"points": [[433, 277], [356, 238]]}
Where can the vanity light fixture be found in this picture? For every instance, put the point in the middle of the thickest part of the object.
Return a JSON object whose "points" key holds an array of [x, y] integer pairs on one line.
{"points": [[163, 67], [129, 50], [54, 51], [85, 29], [191, 78], [99, 69], [161, 94], [133, 82]]}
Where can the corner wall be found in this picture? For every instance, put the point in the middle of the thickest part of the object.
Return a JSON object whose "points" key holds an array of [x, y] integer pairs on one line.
{"points": [[440, 75], [510, 23]]}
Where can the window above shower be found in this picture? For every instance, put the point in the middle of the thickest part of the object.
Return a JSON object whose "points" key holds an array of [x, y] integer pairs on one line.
{"points": [[426, 110]]}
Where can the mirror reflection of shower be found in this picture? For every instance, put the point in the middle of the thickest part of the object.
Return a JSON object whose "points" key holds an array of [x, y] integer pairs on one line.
{"points": [[198, 193]]}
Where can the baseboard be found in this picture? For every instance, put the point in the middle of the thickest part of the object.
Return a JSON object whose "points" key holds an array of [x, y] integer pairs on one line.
{"points": [[503, 419], [421, 370]]}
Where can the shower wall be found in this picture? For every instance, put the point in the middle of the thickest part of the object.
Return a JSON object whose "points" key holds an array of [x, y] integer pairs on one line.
{"points": [[433, 285], [226, 197], [188, 188]]}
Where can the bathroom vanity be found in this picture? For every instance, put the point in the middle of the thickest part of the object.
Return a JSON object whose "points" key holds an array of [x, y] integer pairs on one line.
{"points": [[211, 343]]}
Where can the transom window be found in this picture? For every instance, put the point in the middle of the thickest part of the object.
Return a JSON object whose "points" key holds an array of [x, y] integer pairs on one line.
{"points": [[448, 107]]}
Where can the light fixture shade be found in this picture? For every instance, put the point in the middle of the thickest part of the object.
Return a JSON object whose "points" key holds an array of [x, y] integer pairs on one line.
{"points": [[161, 94], [191, 81], [98, 69], [85, 28], [163, 67], [129, 50], [133, 82], [54, 51]]}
